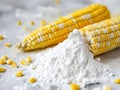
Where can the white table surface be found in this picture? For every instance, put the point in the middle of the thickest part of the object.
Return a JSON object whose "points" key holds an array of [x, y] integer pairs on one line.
{"points": [[14, 34]]}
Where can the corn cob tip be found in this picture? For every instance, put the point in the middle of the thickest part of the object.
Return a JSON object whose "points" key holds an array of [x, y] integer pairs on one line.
{"points": [[21, 46]]}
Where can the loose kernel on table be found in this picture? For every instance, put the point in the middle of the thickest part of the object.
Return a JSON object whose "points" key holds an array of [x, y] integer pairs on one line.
{"points": [[107, 88], [7, 44], [32, 23], [2, 61], [24, 62], [4, 57], [1, 37], [2, 69], [19, 23], [43, 22], [74, 86], [19, 74], [9, 62], [29, 59], [32, 80], [117, 81], [14, 65]]}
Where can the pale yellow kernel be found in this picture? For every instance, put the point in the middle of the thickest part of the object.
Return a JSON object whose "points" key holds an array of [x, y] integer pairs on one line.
{"points": [[19, 74], [32, 23], [74, 86], [32, 80], [9, 62], [117, 81], [57, 1], [7, 44], [24, 62], [2, 69], [14, 65], [107, 88], [19, 23], [4, 57], [2, 61], [1, 37], [29, 59], [43, 22]]}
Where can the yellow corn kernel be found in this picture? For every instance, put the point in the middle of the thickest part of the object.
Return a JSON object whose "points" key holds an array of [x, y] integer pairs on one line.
{"points": [[2, 61], [14, 65], [7, 44], [19, 23], [19, 74], [43, 22], [32, 23], [57, 1], [2, 69], [107, 88], [24, 62], [32, 80], [117, 81], [74, 86], [4, 57], [1, 37], [29, 59], [9, 62]]}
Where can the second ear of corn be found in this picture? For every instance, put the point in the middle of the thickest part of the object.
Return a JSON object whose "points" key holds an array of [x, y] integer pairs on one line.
{"points": [[58, 31], [103, 36]]}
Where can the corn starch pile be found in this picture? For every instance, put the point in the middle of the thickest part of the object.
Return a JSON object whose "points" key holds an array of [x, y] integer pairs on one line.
{"points": [[70, 62]]}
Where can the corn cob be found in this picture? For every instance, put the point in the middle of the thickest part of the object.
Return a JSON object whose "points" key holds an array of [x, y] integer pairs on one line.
{"points": [[103, 36], [58, 31]]}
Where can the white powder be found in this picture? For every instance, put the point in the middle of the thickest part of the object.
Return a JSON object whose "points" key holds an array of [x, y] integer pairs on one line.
{"points": [[98, 88], [70, 61]]}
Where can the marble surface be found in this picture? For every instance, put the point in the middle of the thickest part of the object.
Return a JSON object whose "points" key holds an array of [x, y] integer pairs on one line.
{"points": [[11, 11]]}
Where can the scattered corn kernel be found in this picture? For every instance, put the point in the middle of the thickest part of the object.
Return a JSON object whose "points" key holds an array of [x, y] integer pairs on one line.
{"points": [[43, 22], [57, 1], [24, 62], [19, 74], [2, 61], [107, 88], [14, 65], [9, 62], [1, 37], [29, 59], [19, 23], [32, 80], [74, 86], [117, 81], [7, 44], [2, 69], [32, 23], [4, 57]]}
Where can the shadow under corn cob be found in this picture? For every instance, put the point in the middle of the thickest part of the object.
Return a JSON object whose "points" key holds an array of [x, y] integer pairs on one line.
{"points": [[102, 36], [58, 31]]}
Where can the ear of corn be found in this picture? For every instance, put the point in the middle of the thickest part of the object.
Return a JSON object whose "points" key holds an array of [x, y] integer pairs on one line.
{"points": [[58, 31], [103, 36]]}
